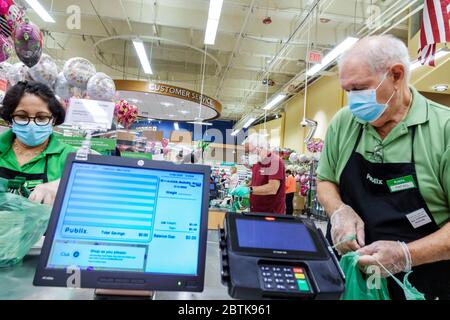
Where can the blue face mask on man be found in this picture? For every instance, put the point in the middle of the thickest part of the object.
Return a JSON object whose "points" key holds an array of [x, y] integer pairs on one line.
{"points": [[364, 104], [32, 135]]}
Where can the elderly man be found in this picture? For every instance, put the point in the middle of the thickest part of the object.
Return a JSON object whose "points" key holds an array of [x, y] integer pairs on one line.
{"points": [[385, 170], [267, 189]]}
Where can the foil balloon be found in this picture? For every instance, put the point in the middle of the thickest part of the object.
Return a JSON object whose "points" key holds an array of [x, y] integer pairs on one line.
{"points": [[62, 87], [4, 6], [165, 143], [293, 157], [6, 48], [28, 43], [18, 72], [14, 15], [78, 71], [125, 113], [45, 71], [101, 87], [5, 67]]}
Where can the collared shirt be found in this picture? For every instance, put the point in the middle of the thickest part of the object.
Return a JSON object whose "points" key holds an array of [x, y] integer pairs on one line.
{"points": [[57, 153], [272, 168], [431, 149]]}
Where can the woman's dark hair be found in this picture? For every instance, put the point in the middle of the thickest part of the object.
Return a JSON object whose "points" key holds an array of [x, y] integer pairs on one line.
{"points": [[288, 172], [16, 93]]}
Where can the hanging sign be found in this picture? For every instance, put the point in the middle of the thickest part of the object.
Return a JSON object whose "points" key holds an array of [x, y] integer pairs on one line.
{"points": [[315, 56], [90, 114]]}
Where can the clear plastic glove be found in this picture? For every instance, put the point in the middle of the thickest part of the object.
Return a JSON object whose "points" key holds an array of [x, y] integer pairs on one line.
{"points": [[391, 257], [345, 225], [240, 191], [45, 193]]}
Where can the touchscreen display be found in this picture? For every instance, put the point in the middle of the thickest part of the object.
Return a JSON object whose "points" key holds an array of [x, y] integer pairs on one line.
{"points": [[129, 219], [274, 235]]}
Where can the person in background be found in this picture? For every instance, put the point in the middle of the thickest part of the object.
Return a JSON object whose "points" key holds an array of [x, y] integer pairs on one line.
{"points": [[234, 178], [385, 170], [291, 187], [30, 150], [267, 189]]}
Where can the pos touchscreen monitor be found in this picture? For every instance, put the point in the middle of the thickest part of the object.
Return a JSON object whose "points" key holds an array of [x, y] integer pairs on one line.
{"points": [[127, 224]]}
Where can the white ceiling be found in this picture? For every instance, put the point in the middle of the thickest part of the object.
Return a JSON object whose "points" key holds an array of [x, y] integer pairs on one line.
{"points": [[243, 50]]}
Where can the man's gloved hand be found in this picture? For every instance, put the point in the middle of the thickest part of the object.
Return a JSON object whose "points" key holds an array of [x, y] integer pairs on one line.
{"points": [[240, 191], [45, 193], [394, 256], [345, 225]]}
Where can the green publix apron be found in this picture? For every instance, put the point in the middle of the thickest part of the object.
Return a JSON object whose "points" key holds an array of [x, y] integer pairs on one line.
{"points": [[387, 198], [32, 180]]}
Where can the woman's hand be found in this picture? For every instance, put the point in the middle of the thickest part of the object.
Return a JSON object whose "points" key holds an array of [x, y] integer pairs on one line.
{"points": [[45, 193]]}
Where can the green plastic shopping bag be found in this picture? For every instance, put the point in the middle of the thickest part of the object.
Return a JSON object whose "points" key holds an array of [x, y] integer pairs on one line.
{"points": [[356, 287], [22, 224]]}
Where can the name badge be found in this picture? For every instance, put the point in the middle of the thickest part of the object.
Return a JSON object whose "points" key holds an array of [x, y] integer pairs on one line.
{"points": [[419, 218], [401, 184]]}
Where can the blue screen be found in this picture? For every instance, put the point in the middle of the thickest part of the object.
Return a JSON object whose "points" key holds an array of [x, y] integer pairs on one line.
{"points": [[274, 235], [129, 219]]}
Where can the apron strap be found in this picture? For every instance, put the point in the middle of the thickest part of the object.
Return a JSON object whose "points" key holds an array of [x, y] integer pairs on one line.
{"points": [[45, 169], [358, 140], [412, 147]]}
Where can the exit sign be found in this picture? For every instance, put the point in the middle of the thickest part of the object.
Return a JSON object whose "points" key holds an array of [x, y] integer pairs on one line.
{"points": [[315, 57]]}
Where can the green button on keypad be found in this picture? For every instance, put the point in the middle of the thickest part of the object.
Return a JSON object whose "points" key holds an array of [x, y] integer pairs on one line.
{"points": [[303, 285]]}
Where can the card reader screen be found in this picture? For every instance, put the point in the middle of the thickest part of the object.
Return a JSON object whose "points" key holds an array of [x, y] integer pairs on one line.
{"points": [[129, 219], [274, 235]]}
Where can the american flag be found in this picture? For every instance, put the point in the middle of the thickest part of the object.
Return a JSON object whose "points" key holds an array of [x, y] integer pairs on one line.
{"points": [[435, 29]]}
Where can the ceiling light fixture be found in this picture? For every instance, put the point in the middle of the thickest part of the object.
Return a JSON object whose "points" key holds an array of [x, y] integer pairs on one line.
{"points": [[249, 122], [176, 126], [40, 10], [215, 8], [142, 54], [275, 101], [235, 132], [333, 55], [201, 123], [440, 87]]}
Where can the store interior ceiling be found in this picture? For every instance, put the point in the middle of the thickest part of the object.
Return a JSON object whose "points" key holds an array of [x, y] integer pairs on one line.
{"points": [[257, 40]]}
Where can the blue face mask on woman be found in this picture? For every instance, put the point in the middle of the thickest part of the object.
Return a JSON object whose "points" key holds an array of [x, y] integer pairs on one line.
{"points": [[32, 135], [364, 104]]}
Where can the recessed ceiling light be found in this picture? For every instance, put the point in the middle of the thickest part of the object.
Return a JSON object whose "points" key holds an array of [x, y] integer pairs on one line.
{"points": [[167, 104], [135, 100], [440, 87], [183, 111], [171, 115]]}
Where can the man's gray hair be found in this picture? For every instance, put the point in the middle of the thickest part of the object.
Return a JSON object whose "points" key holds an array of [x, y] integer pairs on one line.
{"points": [[380, 52], [258, 140]]}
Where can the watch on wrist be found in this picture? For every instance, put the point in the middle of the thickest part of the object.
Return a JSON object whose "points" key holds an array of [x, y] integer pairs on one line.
{"points": [[251, 190]]}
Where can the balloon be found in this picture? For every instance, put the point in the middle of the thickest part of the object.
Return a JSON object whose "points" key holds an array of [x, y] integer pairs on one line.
{"points": [[125, 113], [293, 157], [14, 15], [166, 151], [45, 71], [165, 143], [6, 48], [4, 6], [18, 72], [5, 67], [62, 87], [303, 158], [78, 71], [28, 43], [101, 87]]}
